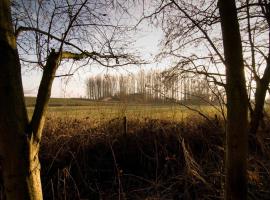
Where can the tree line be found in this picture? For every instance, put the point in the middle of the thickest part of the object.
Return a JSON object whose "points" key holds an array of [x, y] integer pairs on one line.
{"points": [[152, 86]]}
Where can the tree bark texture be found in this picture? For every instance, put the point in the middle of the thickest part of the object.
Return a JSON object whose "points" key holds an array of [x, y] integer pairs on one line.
{"points": [[237, 104], [18, 147]]}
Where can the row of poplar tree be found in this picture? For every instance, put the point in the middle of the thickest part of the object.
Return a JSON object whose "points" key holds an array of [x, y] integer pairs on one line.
{"points": [[152, 85]]}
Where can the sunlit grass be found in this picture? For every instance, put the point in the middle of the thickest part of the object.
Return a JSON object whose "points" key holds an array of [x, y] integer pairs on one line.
{"points": [[102, 111]]}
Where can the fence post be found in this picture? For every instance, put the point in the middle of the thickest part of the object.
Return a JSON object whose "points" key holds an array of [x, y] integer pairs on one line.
{"points": [[125, 125]]}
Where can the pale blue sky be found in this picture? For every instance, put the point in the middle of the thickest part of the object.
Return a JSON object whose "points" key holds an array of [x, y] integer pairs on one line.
{"points": [[146, 43]]}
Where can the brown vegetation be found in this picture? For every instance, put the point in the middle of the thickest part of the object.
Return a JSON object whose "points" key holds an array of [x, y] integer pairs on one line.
{"points": [[156, 159]]}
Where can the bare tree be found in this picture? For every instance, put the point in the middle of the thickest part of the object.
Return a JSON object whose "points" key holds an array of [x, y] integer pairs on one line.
{"points": [[54, 31], [192, 39], [237, 104], [196, 25], [254, 16]]}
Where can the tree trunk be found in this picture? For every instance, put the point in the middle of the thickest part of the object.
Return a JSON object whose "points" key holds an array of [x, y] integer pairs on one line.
{"points": [[257, 114], [18, 150], [260, 94], [237, 115], [21, 170]]}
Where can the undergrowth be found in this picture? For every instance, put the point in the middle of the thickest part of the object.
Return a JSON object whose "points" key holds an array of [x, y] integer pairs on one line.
{"points": [[143, 159], [154, 159]]}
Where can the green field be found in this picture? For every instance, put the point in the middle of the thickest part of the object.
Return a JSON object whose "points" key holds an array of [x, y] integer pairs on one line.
{"points": [[98, 110]]}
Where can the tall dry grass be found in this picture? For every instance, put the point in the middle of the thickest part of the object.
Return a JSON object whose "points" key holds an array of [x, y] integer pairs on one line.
{"points": [[155, 159], [143, 159]]}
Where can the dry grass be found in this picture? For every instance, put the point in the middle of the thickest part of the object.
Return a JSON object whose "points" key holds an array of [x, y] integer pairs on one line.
{"points": [[102, 111], [156, 159], [168, 152]]}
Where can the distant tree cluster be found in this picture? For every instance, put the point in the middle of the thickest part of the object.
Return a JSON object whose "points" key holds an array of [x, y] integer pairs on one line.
{"points": [[151, 86]]}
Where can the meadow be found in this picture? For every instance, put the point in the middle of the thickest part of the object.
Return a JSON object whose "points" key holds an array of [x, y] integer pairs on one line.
{"points": [[99, 111], [162, 152]]}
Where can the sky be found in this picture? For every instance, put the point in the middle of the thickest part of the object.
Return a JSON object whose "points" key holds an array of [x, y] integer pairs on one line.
{"points": [[146, 42]]}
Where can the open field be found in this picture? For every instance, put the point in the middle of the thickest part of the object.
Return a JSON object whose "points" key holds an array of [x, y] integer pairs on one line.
{"points": [[100, 111], [163, 152]]}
